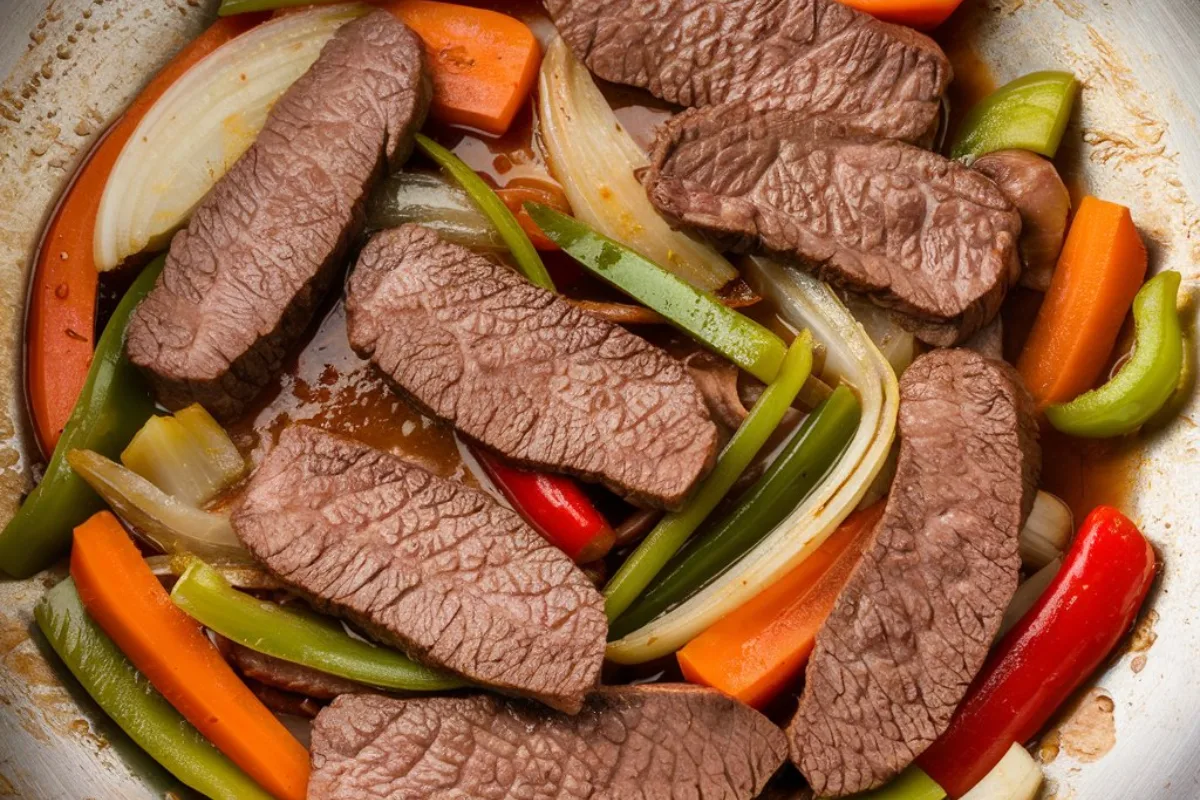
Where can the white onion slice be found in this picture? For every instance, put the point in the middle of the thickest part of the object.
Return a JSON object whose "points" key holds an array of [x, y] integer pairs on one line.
{"points": [[200, 126], [1016, 777]]}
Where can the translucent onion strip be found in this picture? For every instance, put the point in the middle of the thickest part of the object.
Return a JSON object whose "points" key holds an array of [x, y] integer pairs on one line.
{"points": [[201, 126], [595, 159], [423, 198], [851, 358]]}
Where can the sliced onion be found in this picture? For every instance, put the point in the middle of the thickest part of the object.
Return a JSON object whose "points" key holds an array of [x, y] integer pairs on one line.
{"points": [[898, 346], [438, 204], [852, 358], [200, 126], [189, 456], [1027, 594], [1016, 777], [595, 159], [240, 575], [1047, 532]]}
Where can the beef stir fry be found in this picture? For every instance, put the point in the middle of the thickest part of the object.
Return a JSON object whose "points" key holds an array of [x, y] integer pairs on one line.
{"points": [[674, 462]]}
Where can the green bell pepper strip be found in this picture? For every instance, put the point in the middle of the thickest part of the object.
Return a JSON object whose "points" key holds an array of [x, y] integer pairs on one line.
{"points": [[524, 253], [127, 696], [1147, 380], [297, 637], [912, 784], [1031, 113], [113, 406], [230, 7], [720, 328], [644, 564], [808, 456]]}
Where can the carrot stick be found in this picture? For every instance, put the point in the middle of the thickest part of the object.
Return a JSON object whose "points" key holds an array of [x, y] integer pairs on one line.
{"points": [[923, 14], [519, 192], [483, 62], [60, 328], [1102, 266], [122, 595], [755, 652]]}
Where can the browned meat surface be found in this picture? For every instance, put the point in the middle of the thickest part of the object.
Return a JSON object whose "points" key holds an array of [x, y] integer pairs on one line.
{"points": [[1034, 186], [914, 622], [524, 372], [428, 565], [629, 743], [286, 676], [811, 56], [242, 281], [917, 232]]}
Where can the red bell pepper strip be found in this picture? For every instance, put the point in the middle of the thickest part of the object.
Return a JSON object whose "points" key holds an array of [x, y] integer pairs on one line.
{"points": [[1082, 616], [555, 506], [60, 328]]}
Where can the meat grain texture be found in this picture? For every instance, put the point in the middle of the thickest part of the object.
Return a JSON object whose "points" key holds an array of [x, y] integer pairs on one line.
{"points": [[430, 566], [525, 373], [811, 56], [915, 621], [917, 232], [243, 279], [630, 743]]}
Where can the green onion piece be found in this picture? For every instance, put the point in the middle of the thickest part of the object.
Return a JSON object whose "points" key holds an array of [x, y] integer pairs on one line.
{"points": [[640, 569], [720, 328], [524, 253], [1031, 113], [230, 7], [808, 456], [1147, 380], [912, 784], [127, 696], [298, 637]]}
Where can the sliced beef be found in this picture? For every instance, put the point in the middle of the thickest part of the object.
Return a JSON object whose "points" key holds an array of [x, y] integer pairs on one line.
{"points": [[629, 743], [433, 567], [812, 56], [914, 622], [523, 372], [917, 232], [286, 676], [242, 281]]}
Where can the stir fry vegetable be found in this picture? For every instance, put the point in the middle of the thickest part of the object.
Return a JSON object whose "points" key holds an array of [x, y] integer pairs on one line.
{"points": [[1102, 266], [735, 336], [1145, 383], [188, 455], [912, 784], [757, 651], [1091, 604], [923, 14], [670, 534], [436, 203], [136, 706], [1030, 113], [114, 403], [793, 475], [298, 637], [1016, 777], [523, 251], [1047, 531], [127, 601]]}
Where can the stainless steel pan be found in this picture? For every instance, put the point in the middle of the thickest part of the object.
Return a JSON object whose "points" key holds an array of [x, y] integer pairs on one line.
{"points": [[72, 65]]}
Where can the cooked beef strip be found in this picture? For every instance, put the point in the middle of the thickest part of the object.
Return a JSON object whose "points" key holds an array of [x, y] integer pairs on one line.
{"points": [[523, 372], [917, 232], [433, 567], [286, 676], [242, 281], [915, 621], [629, 743], [812, 56]]}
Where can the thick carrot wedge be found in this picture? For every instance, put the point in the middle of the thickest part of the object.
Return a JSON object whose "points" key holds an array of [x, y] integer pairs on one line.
{"points": [[1102, 266], [122, 595], [755, 652], [62, 302], [923, 14]]}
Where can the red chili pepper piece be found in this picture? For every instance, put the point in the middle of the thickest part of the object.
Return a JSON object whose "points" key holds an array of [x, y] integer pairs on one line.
{"points": [[556, 508], [1091, 604]]}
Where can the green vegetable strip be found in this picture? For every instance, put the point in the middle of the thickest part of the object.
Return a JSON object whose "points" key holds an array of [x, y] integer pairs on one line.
{"points": [[1146, 382], [127, 696], [812, 451], [114, 404], [912, 784], [640, 569], [230, 7], [525, 254], [297, 637], [720, 328], [1031, 113]]}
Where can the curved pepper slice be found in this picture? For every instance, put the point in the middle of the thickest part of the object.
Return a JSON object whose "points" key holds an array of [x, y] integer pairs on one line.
{"points": [[1031, 113], [1145, 383]]}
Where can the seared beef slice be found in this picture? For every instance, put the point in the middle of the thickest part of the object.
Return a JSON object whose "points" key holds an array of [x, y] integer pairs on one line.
{"points": [[242, 281], [914, 622], [643, 743], [813, 56], [525, 373], [433, 567], [919, 233]]}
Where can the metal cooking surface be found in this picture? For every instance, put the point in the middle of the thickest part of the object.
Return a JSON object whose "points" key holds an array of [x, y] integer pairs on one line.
{"points": [[73, 64]]}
